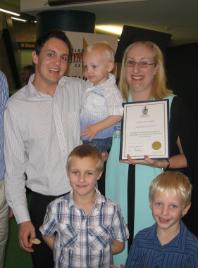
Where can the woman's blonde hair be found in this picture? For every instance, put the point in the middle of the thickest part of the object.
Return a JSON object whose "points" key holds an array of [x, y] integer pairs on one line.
{"points": [[159, 88], [172, 181]]}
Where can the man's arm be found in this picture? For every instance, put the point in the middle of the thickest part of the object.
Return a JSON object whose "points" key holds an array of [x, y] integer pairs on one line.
{"points": [[15, 159], [92, 130], [15, 179]]}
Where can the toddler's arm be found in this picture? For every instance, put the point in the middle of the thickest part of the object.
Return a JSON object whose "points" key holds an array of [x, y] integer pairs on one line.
{"points": [[92, 130], [49, 239]]}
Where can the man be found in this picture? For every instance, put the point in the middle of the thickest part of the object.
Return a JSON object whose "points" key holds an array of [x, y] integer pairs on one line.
{"points": [[3, 204], [42, 127]]}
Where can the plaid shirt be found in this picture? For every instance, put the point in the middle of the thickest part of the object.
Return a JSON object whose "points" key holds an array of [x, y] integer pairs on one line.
{"points": [[83, 241]]}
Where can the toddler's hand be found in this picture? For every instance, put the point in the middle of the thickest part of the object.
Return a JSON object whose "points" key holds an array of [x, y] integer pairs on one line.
{"points": [[89, 132]]}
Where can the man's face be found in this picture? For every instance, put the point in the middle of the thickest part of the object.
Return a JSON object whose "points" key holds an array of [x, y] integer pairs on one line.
{"points": [[51, 63]]}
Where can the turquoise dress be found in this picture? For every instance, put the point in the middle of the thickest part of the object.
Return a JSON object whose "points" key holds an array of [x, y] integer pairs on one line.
{"points": [[128, 184]]}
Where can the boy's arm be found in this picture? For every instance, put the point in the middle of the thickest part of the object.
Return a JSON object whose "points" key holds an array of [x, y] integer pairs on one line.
{"points": [[92, 130], [117, 246], [49, 240]]}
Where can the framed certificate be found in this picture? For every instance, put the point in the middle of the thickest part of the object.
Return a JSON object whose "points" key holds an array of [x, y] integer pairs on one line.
{"points": [[145, 130]]}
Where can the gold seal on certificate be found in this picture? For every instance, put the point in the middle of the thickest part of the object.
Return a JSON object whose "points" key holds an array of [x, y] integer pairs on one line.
{"points": [[156, 145], [145, 130]]}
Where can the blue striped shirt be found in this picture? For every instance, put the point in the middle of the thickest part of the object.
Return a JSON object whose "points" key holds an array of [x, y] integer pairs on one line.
{"points": [[3, 99], [83, 241], [147, 252]]}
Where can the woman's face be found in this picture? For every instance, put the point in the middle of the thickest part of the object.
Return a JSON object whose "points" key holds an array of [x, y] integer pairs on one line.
{"points": [[140, 69]]}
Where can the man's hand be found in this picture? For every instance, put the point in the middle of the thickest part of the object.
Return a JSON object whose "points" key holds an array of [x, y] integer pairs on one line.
{"points": [[26, 233]]}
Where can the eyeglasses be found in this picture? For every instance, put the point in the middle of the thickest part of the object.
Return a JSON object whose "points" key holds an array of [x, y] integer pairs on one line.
{"points": [[143, 64]]}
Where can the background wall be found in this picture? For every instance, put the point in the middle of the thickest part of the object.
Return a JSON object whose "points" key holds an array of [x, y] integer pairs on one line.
{"points": [[182, 70]]}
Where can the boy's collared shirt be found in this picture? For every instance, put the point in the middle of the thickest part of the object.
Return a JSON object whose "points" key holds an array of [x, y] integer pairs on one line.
{"points": [[83, 240], [146, 250]]}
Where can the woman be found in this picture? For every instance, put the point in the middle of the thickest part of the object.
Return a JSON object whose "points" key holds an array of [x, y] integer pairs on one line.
{"points": [[143, 78]]}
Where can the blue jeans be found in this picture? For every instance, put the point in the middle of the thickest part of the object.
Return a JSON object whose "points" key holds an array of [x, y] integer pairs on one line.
{"points": [[100, 144]]}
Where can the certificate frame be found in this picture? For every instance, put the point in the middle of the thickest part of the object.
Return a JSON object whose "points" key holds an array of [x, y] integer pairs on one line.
{"points": [[146, 134]]}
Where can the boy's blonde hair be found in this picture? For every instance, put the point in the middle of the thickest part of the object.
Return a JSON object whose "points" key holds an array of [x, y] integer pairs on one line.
{"points": [[172, 181], [104, 48], [86, 150], [159, 88]]}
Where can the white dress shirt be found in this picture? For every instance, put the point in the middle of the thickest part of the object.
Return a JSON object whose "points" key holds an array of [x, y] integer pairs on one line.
{"points": [[40, 132]]}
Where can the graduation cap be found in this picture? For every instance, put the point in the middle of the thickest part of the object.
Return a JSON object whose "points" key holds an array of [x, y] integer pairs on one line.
{"points": [[132, 34]]}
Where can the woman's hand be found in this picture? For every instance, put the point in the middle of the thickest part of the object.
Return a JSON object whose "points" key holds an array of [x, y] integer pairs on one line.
{"points": [[159, 163]]}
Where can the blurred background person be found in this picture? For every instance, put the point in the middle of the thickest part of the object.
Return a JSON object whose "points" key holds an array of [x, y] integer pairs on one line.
{"points": [[3, 205], [26, 72]]}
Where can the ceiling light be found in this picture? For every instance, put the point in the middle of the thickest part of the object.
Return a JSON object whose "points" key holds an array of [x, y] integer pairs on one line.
{"points": [[13, 18], [9, 12], [114, 29]]}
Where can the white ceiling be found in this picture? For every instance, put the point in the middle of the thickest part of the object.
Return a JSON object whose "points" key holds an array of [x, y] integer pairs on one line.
{"points": [[177, 17]]}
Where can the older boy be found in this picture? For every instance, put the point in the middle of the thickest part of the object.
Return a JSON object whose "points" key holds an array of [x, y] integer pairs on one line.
{"points": [[83, 228], [168, 243]]}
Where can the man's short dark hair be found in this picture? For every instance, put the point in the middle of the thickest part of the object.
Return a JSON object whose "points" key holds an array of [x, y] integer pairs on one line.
{"points": [[52, 34]]}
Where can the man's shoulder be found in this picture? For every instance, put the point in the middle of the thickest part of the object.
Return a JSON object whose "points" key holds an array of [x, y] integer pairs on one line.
{"points": [[18, 95], [2, 75], [67, 80]]}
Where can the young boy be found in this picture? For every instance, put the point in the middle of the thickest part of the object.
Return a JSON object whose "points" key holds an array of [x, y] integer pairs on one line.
{"points": [[102, 101], [168, 243], [83, 228]]}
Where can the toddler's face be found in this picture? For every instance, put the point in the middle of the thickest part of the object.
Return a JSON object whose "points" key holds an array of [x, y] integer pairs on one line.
{"points": [[167, 209], [83, 175], [96, 66]]}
